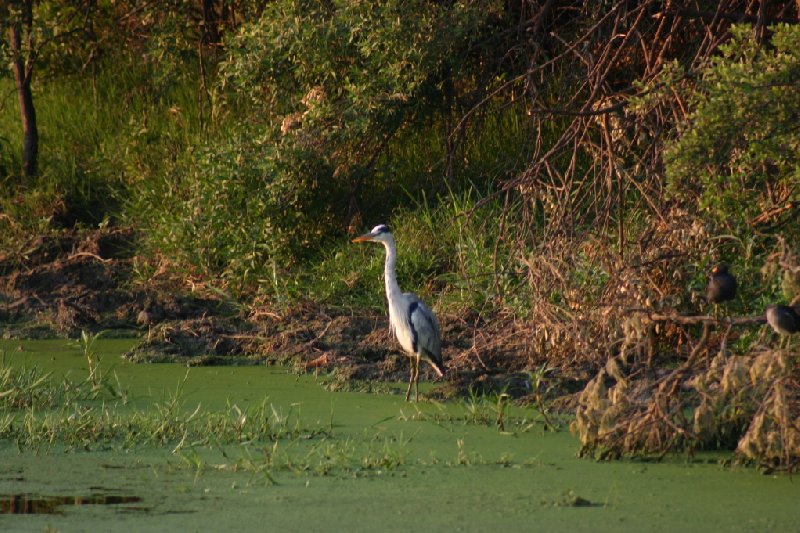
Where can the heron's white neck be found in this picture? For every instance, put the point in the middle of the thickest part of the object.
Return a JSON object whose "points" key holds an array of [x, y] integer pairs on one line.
{"points": [[392, 289]]}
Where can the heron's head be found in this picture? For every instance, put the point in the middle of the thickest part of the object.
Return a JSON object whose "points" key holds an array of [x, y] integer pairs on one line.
{"points": [[380, 233], [721, 268]]}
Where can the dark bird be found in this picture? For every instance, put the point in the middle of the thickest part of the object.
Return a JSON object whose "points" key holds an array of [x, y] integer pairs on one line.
{"points": [[412, 322], [784, 319], [721, 285]]}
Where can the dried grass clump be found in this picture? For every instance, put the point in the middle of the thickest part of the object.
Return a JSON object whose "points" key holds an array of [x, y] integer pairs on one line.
{"points": [[712, 398], [566, 281], [588, 302], [632, 418], [706, 402], [773, 438]]}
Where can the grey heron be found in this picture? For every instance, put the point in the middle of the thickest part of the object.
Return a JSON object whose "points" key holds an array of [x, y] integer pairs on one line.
{"points": [[784, 319], [412, 322]]}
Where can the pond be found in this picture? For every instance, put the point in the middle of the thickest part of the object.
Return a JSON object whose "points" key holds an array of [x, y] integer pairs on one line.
{"points": [[259, 448]]}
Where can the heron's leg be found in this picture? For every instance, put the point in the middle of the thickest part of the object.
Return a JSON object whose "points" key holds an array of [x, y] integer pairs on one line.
{"points": [[410, 379], [416, 379]]}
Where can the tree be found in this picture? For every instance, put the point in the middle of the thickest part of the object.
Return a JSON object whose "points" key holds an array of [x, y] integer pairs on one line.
{"points": [[21, 46]]}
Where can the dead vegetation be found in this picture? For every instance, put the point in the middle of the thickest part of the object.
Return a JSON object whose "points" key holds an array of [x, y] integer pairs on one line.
{"points": [[710, 400], [711, 396], [617, 270], [62, 283]]}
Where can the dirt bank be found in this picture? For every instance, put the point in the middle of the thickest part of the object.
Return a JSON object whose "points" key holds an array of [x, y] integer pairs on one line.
{"points": [[91, 280]]}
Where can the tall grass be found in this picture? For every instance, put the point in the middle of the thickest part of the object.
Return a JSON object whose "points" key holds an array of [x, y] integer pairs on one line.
{"points": [[454, 252], [456, 240], [99, 134]]}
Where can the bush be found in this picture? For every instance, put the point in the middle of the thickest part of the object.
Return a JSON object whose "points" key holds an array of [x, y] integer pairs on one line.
{"points": [[347, 78], [245, 209], [739, 154], [330, 100]]}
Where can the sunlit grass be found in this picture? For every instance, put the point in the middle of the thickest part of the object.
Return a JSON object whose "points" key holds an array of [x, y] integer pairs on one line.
{"points": [[453, 252], [97, 138], [44, 415]]}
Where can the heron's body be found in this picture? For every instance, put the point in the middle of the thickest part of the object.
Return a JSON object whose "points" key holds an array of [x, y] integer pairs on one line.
{"points": [[412, 322]]}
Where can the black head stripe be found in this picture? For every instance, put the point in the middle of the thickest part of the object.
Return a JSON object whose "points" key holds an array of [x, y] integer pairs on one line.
{"points": [[381, 228]]}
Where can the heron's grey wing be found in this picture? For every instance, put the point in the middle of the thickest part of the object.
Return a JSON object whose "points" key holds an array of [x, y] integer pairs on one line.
{"points": [[425, 326]]}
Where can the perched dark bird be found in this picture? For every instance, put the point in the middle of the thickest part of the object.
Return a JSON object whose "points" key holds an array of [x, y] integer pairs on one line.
{"points": [[412, 322], [784, 319], [721, 285]]}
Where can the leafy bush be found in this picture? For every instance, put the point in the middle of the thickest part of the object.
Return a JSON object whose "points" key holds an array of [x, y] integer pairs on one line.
{"points": [[244, 210], [739, 155], [347, 77], [330, 100]]}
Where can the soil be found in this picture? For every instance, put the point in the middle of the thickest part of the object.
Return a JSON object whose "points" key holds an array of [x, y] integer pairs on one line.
{"points": [[59, 286], [90, 280]]}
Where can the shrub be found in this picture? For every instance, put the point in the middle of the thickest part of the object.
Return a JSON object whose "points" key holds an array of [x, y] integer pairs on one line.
{"points": [[739, 154], [244, 210]]}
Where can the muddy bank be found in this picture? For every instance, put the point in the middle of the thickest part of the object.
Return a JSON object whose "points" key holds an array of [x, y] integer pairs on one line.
{"points": [[59, 286]]}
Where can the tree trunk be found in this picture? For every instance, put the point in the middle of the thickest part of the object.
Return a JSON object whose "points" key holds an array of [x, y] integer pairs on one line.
{"points": [[23, 69], [210, 23]]}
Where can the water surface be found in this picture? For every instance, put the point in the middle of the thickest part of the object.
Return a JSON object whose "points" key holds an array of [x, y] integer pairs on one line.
{"points": [[445, 469]]}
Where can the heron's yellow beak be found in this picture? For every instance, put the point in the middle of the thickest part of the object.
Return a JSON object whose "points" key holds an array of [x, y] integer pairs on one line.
{"points": [[363, 238]]}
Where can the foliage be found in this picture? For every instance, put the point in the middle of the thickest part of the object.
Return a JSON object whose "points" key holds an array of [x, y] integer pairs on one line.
{"points": [[244, 209], [368, 63], [106, 77], [95, 148], [72, 37], [344, 78], [739, 153], [332, 93]]}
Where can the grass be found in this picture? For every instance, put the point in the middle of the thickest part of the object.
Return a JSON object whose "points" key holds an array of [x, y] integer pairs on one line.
{"points": [[30, 389], [41, 414], [25, 388], [95, 144], [451, 252], [93, 411], [492, 410], [129, 139]]}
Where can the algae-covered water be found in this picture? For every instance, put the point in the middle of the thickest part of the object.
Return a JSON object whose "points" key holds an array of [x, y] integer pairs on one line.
{"points": [[344, 461]]}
